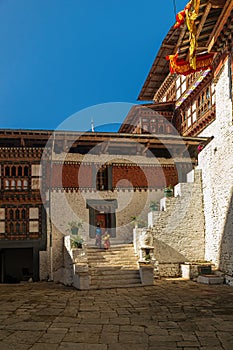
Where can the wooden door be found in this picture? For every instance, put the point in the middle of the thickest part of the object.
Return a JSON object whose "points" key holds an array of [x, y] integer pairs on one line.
{"points": [[101, 219]]}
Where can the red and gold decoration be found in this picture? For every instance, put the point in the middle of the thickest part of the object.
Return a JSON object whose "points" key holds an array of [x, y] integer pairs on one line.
{"points": [[195, 63], [180, 17], [180, 66], [191, 16]]}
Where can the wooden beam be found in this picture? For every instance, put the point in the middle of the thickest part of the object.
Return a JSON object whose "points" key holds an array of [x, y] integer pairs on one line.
{"points": [[168, 46], [220, 23], [217, 3], [182, 33], [203, 19], [147, 146], [202, 48]]}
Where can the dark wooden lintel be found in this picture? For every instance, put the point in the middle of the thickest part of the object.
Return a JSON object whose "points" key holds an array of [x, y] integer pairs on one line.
{"points": [[217, 3]]}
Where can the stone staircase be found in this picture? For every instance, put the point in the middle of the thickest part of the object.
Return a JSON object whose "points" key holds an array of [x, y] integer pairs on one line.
{"points": [[116, 267], [178, 229]]}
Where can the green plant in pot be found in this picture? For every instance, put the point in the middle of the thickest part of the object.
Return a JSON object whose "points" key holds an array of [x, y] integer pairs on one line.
{"points": [[168, 191], [74, 226], [147, 257], [76, 242], [154, 206]]}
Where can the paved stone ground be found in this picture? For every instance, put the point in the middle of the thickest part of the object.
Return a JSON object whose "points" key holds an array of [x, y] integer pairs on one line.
{"points": [[172, 314]]}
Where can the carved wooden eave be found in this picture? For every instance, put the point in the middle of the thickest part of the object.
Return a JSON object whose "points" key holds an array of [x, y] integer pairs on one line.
{"points": [[36, 139], [14, 198], [115, 142], [222, 31], [164, 87], [21, 153]]}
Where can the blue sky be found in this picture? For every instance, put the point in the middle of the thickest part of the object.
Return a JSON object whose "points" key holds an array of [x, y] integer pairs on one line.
{"points": [[62, 56]]}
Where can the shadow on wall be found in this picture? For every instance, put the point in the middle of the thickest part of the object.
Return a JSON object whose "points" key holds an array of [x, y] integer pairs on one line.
{"points": [[65, 273], [226, 248], [165, 254], [75, 272], [68, 273]]}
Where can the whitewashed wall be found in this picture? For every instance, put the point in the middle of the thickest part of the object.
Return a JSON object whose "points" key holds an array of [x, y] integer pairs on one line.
{"points": [[216, 162]]}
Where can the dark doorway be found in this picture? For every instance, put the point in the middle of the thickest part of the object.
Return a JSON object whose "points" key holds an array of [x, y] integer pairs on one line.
{"points": [[16, 264], [101, 219], [102, 212]]}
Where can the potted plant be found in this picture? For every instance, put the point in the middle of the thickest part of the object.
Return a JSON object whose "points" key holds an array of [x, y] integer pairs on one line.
{"points": [[76, 242], [154, 206], [147, 257], [74, 227], [168, 191]]}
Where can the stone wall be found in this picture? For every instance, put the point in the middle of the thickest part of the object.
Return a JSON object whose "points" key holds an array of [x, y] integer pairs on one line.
{"points": [[169, 270], [179, 229], [216, 162]]}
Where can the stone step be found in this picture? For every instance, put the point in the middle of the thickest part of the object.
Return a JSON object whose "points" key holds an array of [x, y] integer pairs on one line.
{"points": [[108, 252], [210, 279], [113, 267], [112, 272], [116, 246], [111, 261], [119, 275], [119, 264], [116, 267], [112, 253], [111, 256], [112, 248]]}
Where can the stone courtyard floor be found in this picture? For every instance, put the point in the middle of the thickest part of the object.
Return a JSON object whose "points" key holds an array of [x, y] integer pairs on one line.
{"points": [[172, 314]]}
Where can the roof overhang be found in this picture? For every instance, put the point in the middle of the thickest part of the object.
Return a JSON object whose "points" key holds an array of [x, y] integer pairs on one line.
{"points": [[160, 67], [210, 13], [103, 142]]}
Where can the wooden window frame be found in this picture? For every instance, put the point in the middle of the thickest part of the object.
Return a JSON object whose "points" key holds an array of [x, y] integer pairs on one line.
{"points": [[104, 178], [16, 177], [17, 222], [201, 106]]}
